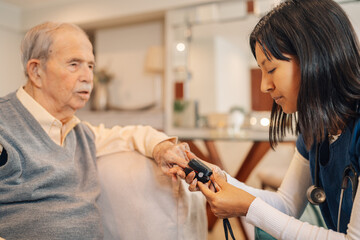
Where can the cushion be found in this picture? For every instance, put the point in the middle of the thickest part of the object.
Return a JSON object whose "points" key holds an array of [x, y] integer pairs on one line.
{"points": [[139, 201]]}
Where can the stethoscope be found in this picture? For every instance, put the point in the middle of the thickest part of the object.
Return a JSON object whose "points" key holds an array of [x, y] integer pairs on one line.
{"points": [[316, 194]]}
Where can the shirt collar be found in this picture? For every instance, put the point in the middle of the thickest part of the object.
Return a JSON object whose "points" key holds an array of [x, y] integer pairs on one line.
{"points": [[52, 126]]}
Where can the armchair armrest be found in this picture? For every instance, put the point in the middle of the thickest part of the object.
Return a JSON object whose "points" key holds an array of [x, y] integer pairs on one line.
{"points": [[138, 201]]}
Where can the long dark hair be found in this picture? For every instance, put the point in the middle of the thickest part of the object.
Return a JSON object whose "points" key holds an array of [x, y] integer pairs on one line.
{"points": [[320, 35]]}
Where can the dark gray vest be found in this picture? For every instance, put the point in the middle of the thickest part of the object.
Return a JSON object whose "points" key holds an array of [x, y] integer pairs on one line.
{"points": [[46, 191]]}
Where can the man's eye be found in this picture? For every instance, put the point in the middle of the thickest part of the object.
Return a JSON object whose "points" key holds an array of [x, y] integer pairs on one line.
{"points": [[271, 71], [3, 156]]}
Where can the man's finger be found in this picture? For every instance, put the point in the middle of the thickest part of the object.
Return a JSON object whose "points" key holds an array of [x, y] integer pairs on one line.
{"points": [[174, 178], [180, 160], [190, 177], [190, 155], [185, 146], [193, 186], [175, 168], [181, 174]]}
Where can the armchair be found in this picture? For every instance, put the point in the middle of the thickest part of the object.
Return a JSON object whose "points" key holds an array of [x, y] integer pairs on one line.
{"points": [[138, 201]]}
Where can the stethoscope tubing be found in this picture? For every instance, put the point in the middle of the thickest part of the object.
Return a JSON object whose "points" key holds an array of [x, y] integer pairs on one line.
{"points": [[313, 198]]}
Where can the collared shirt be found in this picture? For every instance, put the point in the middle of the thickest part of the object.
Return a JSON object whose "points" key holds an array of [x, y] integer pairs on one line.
{"points": [[107, 140], [52, 126]]}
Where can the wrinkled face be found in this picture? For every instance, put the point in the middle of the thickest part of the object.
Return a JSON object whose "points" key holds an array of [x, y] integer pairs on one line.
{"points": [[281, 79], [68, 73]]}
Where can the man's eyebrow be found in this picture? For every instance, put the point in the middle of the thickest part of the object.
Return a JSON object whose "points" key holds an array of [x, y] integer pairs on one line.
{"points": [[80, 60], [75, 60]]}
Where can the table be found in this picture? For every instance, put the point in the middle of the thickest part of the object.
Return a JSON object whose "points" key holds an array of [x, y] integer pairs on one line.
{"points": [[261, 145], [153, 117]]}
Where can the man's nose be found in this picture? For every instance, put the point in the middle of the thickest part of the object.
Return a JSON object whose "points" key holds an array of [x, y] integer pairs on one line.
{"points": [[266, 84], [87, 74]]}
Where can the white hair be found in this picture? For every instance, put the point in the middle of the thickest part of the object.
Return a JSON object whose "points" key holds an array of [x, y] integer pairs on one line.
{"points": [[38, 40]]}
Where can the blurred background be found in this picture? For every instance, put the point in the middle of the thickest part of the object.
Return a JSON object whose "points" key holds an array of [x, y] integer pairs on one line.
{"points": [[181, 66]]}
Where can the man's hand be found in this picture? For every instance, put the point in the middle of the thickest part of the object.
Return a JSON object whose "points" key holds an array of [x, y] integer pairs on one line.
{"points": [[172, 158], [192, 181]]}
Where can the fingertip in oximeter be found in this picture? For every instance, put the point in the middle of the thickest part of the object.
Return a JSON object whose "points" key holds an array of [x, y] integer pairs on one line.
{"points": [[202, 172]]}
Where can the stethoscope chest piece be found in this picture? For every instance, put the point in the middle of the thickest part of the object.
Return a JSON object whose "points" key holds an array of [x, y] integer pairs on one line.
{"points": [[316, 195]]}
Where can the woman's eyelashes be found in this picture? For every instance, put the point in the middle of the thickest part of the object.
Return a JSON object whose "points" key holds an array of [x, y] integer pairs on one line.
{"points": [[271, 71]]}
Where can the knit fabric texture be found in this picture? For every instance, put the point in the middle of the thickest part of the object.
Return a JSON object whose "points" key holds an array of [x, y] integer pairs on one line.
{"points": [[47, 191]]}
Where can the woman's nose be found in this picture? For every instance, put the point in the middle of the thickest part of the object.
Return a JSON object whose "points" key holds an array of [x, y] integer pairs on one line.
{"points": [[266, 84]]}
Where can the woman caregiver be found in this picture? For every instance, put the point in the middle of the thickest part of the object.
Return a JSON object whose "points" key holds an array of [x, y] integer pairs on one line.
{"points": [[308, 53]]}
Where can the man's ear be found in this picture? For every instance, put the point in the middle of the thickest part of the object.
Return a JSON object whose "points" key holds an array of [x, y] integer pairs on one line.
{"points": [[35, 71]]}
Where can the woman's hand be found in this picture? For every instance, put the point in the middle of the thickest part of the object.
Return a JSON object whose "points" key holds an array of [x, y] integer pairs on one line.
{"points": [[228, 201], [192, 181]]}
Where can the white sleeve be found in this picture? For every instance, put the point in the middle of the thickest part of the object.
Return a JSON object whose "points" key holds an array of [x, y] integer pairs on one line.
{"points": [[277, 213], [129, 138], [291, 195]]}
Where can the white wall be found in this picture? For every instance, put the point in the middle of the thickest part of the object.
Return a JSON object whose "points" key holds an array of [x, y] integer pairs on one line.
{"points": [[11, 75], [220, 60], [201, 59], [85, 12], [353, 11], [122, 51], [233, 63]]}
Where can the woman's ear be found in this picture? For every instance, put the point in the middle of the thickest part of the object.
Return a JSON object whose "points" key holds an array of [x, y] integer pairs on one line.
{"points": [[35, 72]]}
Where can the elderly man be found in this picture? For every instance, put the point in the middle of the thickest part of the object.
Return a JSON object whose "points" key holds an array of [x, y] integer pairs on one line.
{"points": [[48, 176]]}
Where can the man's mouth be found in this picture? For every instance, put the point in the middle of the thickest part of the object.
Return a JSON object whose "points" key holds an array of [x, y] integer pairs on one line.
{"points": [[84, 90], [84, 94]]}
